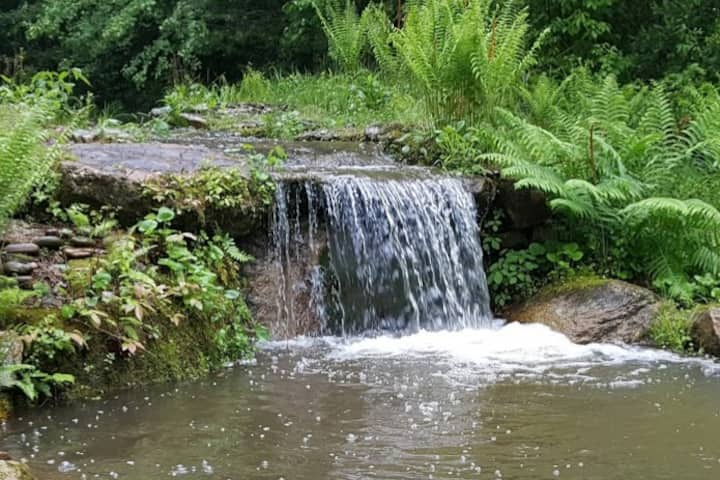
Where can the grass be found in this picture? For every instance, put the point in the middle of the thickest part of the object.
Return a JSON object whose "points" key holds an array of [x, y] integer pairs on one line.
{"points": [[327, 100]]}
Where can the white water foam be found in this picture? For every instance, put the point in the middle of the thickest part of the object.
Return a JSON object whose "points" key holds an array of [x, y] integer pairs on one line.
{"points": [[492, 353]]}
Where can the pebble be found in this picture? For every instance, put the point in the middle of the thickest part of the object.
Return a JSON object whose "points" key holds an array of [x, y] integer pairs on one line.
{"points": [[23, 248], [83, 242], [19, 268], [77, 253], [49, 241]]}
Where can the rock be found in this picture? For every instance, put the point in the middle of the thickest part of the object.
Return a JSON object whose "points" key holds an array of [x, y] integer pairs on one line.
{"points": [[66, 233], [524, 208], [11, 348], [389, 133], [25, 282], [85, 136], [19, 257], [591, 310], [195, 121], [118, 175], [10, 470], [5, 456], [705, 331], [19, 268], [373, 132], [325, 135], [160, 111], [22, 248], [77, 253], [49, 241], [83, 242], [52, 232]]}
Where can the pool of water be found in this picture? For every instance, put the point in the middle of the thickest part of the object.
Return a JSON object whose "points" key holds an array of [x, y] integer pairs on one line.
{"points": [[519, 402]]}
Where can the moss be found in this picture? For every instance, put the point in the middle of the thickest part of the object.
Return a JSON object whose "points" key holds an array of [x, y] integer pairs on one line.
{"points": [[575, 283], [179, 353], [25, 315]]}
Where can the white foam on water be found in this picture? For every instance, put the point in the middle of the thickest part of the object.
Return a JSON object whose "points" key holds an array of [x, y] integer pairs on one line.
{"points": [[514, 348]]}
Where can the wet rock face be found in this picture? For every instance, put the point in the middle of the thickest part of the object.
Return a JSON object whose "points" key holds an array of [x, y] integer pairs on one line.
{"points": [[705, 331], [10, 470], [596, 311], [524, 208]]}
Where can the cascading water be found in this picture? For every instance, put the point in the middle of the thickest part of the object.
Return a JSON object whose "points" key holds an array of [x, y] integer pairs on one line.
{"points": [[399, 253]]}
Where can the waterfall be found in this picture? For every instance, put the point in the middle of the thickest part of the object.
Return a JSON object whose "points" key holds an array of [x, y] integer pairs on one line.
{"points": [[398, 253]]}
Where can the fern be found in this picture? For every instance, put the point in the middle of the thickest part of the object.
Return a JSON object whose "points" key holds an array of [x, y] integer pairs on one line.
{"points": [[344, 31], [614, 160], [464, 58], [25, 156]]}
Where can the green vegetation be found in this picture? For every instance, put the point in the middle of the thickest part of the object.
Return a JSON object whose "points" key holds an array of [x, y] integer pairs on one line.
{"points": [[671, 329]]}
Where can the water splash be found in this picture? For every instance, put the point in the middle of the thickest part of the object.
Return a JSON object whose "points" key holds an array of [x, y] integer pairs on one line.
{"points": [[401, 253]]}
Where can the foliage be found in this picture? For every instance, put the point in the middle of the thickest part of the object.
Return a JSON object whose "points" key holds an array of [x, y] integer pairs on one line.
{"points": [[464, 60], [518, 274], [345, 34], [28, 143], [221, 189], [671, 329], [31, 381], [613, 161], [158, 275]]}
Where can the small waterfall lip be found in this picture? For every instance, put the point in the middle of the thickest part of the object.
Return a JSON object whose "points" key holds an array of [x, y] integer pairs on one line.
{"points": [[402, 249]]}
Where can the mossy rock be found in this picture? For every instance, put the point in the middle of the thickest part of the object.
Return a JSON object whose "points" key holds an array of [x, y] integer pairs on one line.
{"points": [[10, 470], [26, 315], [592, 309]]}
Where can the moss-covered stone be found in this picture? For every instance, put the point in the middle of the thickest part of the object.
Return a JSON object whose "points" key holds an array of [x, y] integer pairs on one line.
{"points": [[591, 309], [10, 470]]}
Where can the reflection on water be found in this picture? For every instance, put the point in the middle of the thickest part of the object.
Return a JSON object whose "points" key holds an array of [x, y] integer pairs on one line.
{"points": [[515, 403]]}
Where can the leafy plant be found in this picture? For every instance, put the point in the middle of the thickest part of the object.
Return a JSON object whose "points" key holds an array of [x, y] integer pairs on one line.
{"points": [[671, 329], [343, 28], [31, 381], [613, 160], [518, 274], [464, 59]]}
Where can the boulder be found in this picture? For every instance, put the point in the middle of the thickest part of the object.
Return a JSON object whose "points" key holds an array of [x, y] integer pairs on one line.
{"points": [[705, 331], [591, 310], [116, 174], [10, 470]]}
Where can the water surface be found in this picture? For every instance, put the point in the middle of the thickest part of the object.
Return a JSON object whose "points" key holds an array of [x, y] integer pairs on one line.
{"points": [[519, 402]]}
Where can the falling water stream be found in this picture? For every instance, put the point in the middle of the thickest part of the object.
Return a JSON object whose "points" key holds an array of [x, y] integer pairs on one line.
{"points": [[409, 376]]}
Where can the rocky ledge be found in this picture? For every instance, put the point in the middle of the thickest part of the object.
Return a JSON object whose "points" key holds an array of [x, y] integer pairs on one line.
{"points": [[592, 310]]}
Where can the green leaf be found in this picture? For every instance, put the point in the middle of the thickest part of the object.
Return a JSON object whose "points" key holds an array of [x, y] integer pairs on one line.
{"points": [[165, 215]]}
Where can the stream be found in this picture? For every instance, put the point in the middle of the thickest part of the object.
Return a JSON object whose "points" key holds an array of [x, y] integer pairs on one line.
{"points": [[517, 402]]}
